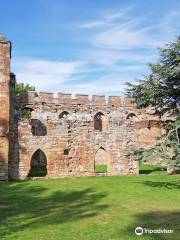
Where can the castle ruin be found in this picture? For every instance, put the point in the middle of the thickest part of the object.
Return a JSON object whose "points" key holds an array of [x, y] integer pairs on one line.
{"points": [[68, 136]]}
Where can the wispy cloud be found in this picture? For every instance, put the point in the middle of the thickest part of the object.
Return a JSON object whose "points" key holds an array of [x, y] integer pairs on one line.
{"points": [[113, 49], [108, 18], [107, 85], [123, 30], [124, 43], [170, 24], [110, 57], [45, 74], [66, 77], [123, 38]]}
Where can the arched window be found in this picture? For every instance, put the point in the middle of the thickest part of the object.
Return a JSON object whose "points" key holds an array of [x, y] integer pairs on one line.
{"points": [[26, 112], [131, 116], [64, 120], [98, 122], [38, 128], [38, 164], [63, 114], [100, 162]]}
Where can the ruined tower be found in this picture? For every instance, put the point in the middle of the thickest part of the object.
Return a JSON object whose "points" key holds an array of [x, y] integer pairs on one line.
{"points": [[5, 55]]}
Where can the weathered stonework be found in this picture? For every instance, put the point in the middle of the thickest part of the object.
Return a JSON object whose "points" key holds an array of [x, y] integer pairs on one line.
{"points": [[68, 136], [5, 46]]}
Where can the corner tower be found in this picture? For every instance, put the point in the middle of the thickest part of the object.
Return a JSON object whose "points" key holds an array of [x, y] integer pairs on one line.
{"points": [[5, 55]]}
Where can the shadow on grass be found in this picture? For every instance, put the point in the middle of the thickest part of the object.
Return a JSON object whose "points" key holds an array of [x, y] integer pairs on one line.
{"points": [[151, 169], [23, 206], [168, 185], [156, 220]]}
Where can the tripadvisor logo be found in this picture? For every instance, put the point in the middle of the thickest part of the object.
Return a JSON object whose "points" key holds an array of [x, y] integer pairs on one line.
{"points": [[139, 231]]}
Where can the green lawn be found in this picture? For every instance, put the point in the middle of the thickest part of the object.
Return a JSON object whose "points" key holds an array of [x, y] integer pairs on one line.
{"points": [[101, 168], [90, 208], [152, 169]]}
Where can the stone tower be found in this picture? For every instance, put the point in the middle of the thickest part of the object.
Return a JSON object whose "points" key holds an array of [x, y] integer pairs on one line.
{"points": [[5, 55]]}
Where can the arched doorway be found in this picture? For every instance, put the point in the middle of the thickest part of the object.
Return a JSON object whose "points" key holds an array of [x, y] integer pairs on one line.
{"points": [[100, 161], [38, 164]]}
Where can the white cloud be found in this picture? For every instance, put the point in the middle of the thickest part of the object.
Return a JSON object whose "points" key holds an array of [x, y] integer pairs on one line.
{"points": [[122, 38], [170, 24], [123, 43], [93, 24], [110, 57], [43, 74], [119, 46], [122, 30], [106, 85], [58, 77], [108, 18]]}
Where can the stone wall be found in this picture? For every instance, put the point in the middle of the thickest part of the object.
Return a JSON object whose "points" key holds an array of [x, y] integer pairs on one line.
{"points": [[65, 129], [69, 135], [5, 46]]}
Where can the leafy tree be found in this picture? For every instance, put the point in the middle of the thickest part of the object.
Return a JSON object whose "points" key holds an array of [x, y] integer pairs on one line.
{"points": [[161, 90], [21, 87]]}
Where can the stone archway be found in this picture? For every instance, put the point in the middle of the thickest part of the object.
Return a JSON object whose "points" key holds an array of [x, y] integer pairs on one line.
{"points": [[38, 164], [63, 114], [131, 116], [101, 161]]}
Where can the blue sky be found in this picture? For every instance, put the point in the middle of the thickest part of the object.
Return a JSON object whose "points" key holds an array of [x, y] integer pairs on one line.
{"points": [[91, 47]]}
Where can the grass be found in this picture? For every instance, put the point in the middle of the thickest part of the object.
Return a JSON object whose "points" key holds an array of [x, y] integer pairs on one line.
{"points": [[101, 168], [152, 169], [90, 208]]}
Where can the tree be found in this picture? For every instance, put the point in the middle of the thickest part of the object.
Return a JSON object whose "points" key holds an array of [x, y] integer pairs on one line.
{"points": [[161, 90], [21, 87]]}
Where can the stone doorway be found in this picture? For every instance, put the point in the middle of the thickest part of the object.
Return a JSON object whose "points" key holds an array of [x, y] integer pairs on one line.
{"points": [[100, 162], [38, 164]]}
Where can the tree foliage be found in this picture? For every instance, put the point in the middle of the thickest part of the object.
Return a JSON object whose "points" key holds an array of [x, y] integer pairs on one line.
{"points": [[21, 87], [161, 90]]}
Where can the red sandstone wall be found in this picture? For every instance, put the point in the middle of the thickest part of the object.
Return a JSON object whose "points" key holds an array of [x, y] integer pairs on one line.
{"points": [[76, 134], [71, 144], [4, 106]]}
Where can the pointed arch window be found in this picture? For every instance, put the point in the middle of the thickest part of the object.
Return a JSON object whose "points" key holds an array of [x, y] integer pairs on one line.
{"points": [[100, 122], [38, 128]]}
